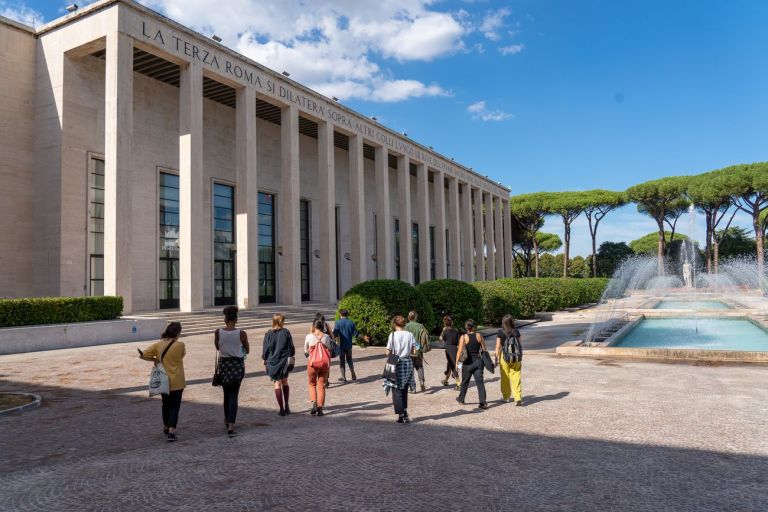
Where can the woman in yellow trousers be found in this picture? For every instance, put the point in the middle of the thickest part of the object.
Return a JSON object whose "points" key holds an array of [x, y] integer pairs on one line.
{"points": [[509, 354]]}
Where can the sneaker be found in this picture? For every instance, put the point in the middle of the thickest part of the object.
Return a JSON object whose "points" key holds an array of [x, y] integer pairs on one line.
{"points": [[406, 419], [231, 433], [342, 379], [400, 419], [484, 405], [314, 409], [282, 412], [444, 382], [319, 411], [519, 403], [172, 437], [354, 377]]}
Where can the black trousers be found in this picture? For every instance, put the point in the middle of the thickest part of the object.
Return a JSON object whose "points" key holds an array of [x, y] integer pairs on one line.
{"points": [[473, 369], [400, 400], [345, 356], [171, 406], [231, 394], [450, 361]]}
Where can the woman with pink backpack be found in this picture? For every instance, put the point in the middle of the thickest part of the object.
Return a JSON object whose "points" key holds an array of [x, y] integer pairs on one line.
{"points": [[317, 347]]}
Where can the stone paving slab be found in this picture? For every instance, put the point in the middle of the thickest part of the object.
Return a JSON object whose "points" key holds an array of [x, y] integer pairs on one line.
{"points": [[595, 435]]}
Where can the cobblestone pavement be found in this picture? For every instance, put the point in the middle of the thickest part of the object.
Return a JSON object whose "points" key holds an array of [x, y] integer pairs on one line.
{"points": [[595, 435]]}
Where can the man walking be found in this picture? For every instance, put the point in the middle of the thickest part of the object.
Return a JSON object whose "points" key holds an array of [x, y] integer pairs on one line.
{"points": [[345, 331], [422, 344]]}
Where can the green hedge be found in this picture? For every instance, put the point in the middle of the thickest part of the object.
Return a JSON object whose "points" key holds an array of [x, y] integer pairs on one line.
{"points": [[448, 296], [58, 310], [372, 304], [522, 297]]}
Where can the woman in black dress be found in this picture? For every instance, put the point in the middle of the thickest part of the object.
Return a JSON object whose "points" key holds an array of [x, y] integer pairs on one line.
{"points": [[278, 349], [450, 337]]}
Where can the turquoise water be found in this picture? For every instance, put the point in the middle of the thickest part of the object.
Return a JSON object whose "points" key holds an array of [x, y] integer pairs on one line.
{"points": [[713, 334], [695, 305]]}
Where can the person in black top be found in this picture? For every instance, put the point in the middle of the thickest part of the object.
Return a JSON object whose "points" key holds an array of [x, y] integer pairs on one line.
{"points": [[470, 345], [450, 337], [509, 354], [278, 348]]}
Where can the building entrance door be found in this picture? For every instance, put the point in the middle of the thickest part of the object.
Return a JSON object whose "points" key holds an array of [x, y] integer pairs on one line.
{"points": [[169, 241], [223, 245]]}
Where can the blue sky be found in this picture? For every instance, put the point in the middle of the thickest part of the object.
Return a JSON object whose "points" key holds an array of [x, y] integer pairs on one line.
{"points": [[538, 94]]}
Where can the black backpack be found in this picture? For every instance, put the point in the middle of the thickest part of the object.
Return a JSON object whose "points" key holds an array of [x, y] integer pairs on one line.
{"points": [[512, 351]]}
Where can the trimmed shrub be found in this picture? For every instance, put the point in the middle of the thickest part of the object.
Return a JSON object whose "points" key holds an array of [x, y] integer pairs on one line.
{"points": [[523, 297], [448, 296], [58, 310], [372, 304]]}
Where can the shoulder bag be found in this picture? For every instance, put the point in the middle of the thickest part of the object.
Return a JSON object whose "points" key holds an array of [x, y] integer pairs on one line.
{"points": [[390, 367], [159, 383], [486, 358], [216, 380]]}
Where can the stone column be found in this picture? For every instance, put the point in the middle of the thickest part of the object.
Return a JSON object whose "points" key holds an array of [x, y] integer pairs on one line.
{"points": [[192, 228], [441, 258], [489, 239], [384, 235], [467, 232], [422, 201], [246, 200], [289, 290], [508, 255], [118, 175], [357, 208], [454, 230], [498, 239], [404, 215], [479, 257], [327, 188]]}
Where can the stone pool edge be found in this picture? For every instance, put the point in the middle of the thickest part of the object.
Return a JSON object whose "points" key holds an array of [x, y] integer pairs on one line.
{"points": [[574, 348]]}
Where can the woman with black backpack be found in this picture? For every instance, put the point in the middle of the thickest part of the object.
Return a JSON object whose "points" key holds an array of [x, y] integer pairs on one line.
{"points": [[509, 353]]}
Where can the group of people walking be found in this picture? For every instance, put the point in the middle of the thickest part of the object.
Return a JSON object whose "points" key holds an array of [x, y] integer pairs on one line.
{"points": [[466, 354]]}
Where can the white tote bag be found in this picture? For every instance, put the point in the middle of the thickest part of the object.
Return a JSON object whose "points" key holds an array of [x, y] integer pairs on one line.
{"points": [[158, 381]]}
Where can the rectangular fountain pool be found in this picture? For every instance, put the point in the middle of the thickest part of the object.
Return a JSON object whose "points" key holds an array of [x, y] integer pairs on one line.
{"points": [[695, 305], [703, 334]]}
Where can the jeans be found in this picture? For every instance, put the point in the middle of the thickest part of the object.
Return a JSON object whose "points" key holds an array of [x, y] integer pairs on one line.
{"points": [[473, 369], [317, 380], [171, 406], [345, 356], [400, 400], [231, 393]]}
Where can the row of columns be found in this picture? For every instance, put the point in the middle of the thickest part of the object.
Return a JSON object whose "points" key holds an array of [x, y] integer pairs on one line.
{"points": [[472, 227]]}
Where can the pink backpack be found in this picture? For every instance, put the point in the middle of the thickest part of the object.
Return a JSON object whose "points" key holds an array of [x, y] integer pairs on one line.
{"points": [[319, 357]]}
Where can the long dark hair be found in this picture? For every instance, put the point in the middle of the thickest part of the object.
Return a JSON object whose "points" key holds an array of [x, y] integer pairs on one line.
{"points": [[508, 324], [172, 331]]}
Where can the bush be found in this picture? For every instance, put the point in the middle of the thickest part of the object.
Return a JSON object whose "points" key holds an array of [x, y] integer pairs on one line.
{"points": [[448, 296], [372, 304], [58, 310], [523, 297]]}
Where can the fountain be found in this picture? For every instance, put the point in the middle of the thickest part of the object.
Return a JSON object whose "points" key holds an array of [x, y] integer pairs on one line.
{"points": [[683, 309]]}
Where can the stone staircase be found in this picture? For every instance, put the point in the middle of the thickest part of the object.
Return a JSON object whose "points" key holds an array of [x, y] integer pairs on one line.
{"points": [[260, 317]]}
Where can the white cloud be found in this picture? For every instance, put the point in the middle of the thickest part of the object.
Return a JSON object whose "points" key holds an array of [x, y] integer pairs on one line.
{"points": [[332, 46], [512, 49], [480, 111], [21, 13], [492, 22]]}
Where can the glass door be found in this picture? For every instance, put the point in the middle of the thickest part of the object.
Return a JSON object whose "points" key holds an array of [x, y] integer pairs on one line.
{"points": [[223, 245], [169, 240], [267, 247], [304, 243]]}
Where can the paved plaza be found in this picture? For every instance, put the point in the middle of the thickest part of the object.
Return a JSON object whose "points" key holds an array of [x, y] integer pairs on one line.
{"points": [[594, 435]]}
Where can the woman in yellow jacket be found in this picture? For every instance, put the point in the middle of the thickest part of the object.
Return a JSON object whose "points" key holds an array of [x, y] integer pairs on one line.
{"points": [[509, 354], [170, 352]]}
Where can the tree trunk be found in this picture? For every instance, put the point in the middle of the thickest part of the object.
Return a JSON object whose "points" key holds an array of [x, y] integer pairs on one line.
{"points": [[536, 255], [594, 256], [660, 255], [566, 247]]}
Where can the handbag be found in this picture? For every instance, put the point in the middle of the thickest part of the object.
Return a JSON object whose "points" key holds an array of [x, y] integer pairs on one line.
{"points": [[290, 364], [216, 380], [159, 382]]}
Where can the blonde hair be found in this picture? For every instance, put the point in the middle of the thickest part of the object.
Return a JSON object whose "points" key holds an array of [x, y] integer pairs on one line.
{"points": [[277, 320]]}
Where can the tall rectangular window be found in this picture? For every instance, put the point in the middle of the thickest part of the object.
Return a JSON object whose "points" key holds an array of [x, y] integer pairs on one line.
{"points": [[397, 248], [169, 240], [447, 253], [432, 252], [338, 254], [415, 249], [223, 244], [305, 247], [96, 227], [267, 247]]}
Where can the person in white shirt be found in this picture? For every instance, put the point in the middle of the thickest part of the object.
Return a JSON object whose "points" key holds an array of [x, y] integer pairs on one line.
{"points": [[402, 344]]}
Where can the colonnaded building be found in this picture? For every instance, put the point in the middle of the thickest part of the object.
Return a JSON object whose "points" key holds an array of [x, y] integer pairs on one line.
{"points": [[143, 159]]}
